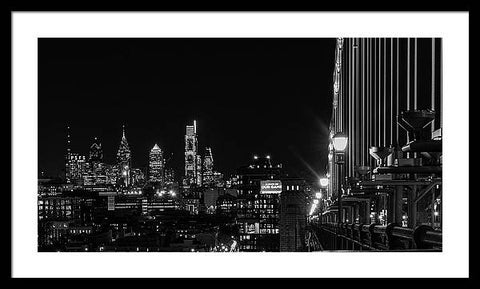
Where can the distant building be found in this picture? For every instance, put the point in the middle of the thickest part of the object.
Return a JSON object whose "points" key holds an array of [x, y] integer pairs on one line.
{"points": [[59, 208], [211, 195], [50, 186], [74, 164], [112, 174], [226, 205], [137, 177], [156, 165], [258, 207], [124, 160], [169, 176], [191, 149], [95, 170], [198, 170], [293, 215], [208, 168], [218, 179], [96, 152], [75, 168], [192, 205], [232, 181]]}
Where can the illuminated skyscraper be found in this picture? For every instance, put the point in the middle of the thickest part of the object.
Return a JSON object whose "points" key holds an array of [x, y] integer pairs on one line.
{"points": [[124, 159], [74, 164], [208, 167], [156, 165], [75, 168], [96, 152], [191, 148], [95, 170], [168, 172], [169, 176], [198, 170]]}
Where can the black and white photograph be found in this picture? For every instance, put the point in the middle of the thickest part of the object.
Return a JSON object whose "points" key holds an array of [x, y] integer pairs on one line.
{"points": [[153, 157], [241, 146]]}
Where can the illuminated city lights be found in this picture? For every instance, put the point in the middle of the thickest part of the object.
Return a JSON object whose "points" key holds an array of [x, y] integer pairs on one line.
{"points": [[340, 142], [324, 182], [301, 189]]}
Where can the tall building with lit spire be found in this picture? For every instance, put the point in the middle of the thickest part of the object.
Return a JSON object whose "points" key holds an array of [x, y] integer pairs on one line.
{"points": [[156, 165], [124, 159], [191, 159]]}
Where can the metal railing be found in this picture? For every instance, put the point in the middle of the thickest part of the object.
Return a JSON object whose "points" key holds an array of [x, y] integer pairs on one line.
{"points": [[374, 237]]}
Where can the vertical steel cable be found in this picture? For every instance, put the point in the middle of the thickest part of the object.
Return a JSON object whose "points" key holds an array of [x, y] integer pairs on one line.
{"points": [[391, 91], [374, 93], [415, 76], [384, 92], [379, 96], [408, 84], [350, 108], [440, 74], [363, 146], [357, 106], [398, 102], [433, 80], [408, 75], [370, 100]]}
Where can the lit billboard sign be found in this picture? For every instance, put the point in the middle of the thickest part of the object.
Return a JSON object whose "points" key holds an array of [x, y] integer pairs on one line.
{"points": [[271, 187]]}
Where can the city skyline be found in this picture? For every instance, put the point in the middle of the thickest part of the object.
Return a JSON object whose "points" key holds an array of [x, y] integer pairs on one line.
{"points": [[245, 116], [384, 155]]}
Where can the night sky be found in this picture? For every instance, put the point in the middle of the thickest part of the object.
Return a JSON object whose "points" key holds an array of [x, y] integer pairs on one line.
{"points": [[249, 97]]}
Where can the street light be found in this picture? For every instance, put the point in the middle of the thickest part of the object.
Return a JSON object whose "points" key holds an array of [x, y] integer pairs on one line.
{"points": [[318, 195], [340, 141], [324, 182]]}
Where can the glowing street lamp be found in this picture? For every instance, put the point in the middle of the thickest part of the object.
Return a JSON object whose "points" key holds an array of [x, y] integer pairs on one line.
{"points": [[340, 141], [318, 195], [323, 182]]}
